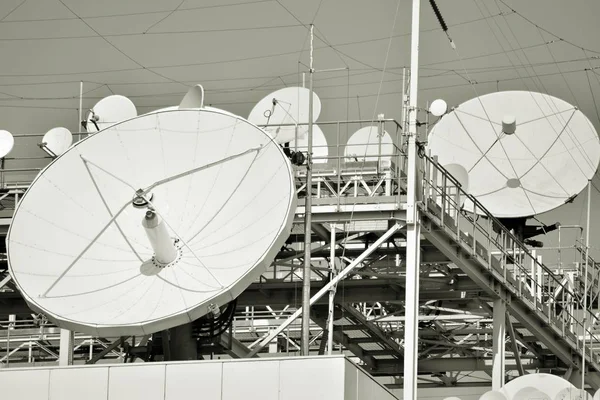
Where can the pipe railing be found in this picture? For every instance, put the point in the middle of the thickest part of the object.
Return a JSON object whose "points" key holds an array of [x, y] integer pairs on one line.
{"points": [[504, 249]]}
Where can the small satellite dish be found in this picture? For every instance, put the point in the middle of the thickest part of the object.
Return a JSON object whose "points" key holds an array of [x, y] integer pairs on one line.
{"points": [[109, 111], [546, 161], [438, 107], [366, 144], [493, 395], [529, 385], [320, 149], [7, 142], [194, 98], [531, 393], [152, 223], [288, 106], [56, 141], [573, 393]]}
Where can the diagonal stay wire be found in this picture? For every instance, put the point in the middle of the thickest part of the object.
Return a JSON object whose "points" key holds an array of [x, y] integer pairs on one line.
{"points": [[165, 17], [118, 49], [13, 10]]}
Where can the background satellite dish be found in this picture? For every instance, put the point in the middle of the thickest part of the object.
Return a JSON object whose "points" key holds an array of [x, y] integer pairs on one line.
{"points": [[285, 106], [366, 142], [320, 148], [194, 98], [493, 395], [438, 107], [573, 393], [109, 111], [549, 158], [56, 141], [78, 248], [7, 142], [530, 384], [531, 393]]}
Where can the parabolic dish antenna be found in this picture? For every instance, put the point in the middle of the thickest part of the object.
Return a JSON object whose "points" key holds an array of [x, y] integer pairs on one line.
{"points": [[109, 111], [151, 223], [56, 141], [366, 144], [320, 150], [549, 158], [7, 142], [438, 108], [286, 106]]}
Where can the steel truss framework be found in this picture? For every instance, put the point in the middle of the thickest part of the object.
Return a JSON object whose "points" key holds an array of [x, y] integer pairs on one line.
{"points": [[467, 264]]}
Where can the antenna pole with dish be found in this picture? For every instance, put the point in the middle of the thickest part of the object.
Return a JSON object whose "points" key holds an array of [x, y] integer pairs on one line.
{"points": [[307, 211]]}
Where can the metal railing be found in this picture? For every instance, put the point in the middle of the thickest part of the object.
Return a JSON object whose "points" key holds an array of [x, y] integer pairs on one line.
{"points": [[486, 239]]}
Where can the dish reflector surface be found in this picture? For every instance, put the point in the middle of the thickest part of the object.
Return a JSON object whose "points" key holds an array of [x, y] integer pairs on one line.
{"points": [[222, 186], [320, 149], [7, 142], [365, 142], [550, 157], [58, 140], [109, 111], [285, 106]]}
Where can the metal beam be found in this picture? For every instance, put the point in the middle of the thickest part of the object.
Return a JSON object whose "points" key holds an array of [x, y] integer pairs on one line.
{"points": [[394, 367], [373, 329], [515, 347], [325, 289], [477, 271], [107, 350], [499, 344], [233, 347]]}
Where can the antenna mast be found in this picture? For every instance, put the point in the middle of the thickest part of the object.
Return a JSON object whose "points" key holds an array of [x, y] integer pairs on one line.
{"points": [[307, 212]]}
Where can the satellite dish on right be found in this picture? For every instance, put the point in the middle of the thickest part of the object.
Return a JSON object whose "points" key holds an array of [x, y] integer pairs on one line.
{"points": [[288, 107], [109, 111], [526, 153]]}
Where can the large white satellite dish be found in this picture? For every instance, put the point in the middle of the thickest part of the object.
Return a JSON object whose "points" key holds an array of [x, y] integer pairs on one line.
{"points": [[549, 158], [7, 142], [109, 111], [214, 201], [284, 107], [56, 141], [320, 150], [367, 144]]}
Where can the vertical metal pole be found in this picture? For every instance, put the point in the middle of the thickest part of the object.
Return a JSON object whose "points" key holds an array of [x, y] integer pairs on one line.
{"points": [[80, 111], [498, 344], [331, 292], [413, 226], [65, 353], [307, 213], [585, 280]]}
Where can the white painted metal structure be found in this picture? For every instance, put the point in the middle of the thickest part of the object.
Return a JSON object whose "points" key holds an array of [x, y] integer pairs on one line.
{"points": [[287, 106], [331, 377], [79, 253], [109, 111], [549, 158], [56, 141]]}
